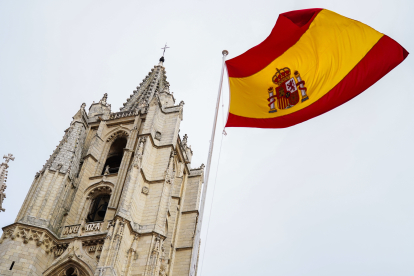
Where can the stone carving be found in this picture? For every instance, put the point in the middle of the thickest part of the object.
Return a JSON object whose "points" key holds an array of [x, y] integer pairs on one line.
{"points": [[145, 190], [71, 229], [184, 141], [106, 170], [123, 114], [8, 233], [169, 172], [137, 160], [143, 139], [93, 227], [60, 248], [100, 190], [24, 234], [111, 225], [157, 136], [156, 257], [121, 133], [48, 243], [103, 100], [3, 178], [138, 157]]}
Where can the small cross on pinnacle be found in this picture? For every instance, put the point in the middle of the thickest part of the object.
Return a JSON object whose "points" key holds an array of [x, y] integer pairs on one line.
{"points": [[164, 48], [9, 157]]}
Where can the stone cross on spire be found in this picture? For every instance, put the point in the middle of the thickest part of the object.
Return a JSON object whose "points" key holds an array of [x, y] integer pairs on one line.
{"points": [[9, 157], [3, 178], [162, 59], [165, 47]]}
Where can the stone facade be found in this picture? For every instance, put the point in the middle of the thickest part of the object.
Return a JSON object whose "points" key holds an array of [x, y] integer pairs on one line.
{"points": [[149, 200]]}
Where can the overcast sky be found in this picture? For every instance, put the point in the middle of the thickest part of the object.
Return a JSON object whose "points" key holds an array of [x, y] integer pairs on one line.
{"points": [[331, 196]]}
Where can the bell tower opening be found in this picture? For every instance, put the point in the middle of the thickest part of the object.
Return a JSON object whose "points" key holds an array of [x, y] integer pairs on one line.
{"points": [[115, 154], [98, 208]]}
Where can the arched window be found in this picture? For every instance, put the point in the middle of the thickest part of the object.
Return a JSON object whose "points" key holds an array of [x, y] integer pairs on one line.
{"points": [[115, 154], [98, 208]]}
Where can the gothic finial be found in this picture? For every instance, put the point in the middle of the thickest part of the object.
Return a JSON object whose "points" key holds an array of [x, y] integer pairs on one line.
{"points": [[3, 178], [185, 137], [166, 88], [83, 105], [104, 98]]}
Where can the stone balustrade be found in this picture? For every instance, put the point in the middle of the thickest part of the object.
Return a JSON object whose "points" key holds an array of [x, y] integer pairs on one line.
{"points": [[71, 229], [93, 226]]}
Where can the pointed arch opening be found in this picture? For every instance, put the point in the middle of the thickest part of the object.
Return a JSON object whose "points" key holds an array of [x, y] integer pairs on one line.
{"points": [[98, 208], [68, 268], [98, 200], [114, 157]]}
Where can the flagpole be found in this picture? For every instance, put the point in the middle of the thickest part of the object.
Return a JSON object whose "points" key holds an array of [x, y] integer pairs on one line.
{"points": [[196, 245]]}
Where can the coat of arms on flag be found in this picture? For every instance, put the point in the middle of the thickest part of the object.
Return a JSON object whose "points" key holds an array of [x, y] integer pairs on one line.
{"points": [[287, 90]]}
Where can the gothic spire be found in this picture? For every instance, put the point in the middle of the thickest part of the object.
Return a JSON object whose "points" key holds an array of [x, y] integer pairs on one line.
{"points": [[154, 82]]}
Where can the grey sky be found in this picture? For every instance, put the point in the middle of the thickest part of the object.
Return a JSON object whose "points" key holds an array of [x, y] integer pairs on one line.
{"points": [[331, 196]]}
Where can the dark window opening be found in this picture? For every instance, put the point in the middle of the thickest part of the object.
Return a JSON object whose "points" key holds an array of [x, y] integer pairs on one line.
{"points": [[11, 267], [114, 158], [71, 272], [98, 208]]}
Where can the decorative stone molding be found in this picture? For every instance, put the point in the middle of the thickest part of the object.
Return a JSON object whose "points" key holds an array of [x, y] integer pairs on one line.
{"points": [[93, 226], [157, 136], [120, 133], [71, 256], [156, 257], [24, 234], [145, 190], [123, 114], [28, 234], [93, 246], [71, 229], [60, 248], [99, 190], [8, 233]]}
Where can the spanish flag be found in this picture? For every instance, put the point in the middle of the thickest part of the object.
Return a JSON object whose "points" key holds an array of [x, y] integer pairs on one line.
{"points": [[313, 61]]}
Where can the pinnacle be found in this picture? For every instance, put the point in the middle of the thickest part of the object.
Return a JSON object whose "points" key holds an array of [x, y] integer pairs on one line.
{"points": [[155, 82]]}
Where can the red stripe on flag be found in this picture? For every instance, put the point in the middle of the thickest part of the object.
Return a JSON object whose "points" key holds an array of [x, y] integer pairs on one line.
{"points": [[381, 59], [290, 26]]}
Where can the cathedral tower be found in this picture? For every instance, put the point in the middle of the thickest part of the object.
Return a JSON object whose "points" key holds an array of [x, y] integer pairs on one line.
{"points": [[118, 195]]}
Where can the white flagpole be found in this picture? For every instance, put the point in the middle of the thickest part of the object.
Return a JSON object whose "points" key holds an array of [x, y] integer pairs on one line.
{"points": [[196, 245]]}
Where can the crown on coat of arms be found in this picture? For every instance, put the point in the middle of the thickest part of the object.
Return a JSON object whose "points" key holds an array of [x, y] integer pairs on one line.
{"points": [[281, 76]]}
